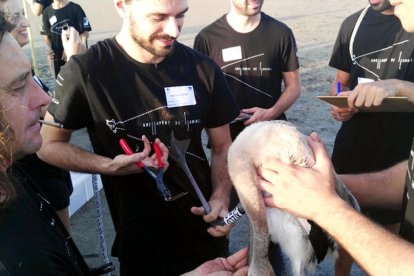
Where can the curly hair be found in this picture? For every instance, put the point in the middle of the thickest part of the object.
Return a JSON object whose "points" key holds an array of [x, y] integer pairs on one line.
{"points": [[7, 190]]}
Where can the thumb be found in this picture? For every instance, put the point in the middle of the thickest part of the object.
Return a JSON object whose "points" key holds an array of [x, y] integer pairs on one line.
{"points": [[249, 110], [199, 211], [322, 159], [242, 271]]}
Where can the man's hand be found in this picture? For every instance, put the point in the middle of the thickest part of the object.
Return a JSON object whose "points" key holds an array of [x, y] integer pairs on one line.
{"points": [[218, 210], [301, 191], [72, 43], [234, 265], [257, 115], [126, 164], [373, 93], [343, 114]]}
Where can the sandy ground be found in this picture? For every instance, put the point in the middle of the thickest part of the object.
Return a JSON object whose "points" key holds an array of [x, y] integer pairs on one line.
{"points": [[315, 25]]}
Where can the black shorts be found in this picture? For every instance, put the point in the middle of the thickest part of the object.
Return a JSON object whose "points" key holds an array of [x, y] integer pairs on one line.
{"points": [[54, 182]]}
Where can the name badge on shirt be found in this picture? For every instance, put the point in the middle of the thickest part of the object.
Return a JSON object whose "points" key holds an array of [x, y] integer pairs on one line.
{"points": [[364, 80], [233, 53], [180, 96], [52, 20]]}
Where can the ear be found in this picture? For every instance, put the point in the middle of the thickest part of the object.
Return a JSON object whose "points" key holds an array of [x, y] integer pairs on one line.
{"points": [[120, 7]]}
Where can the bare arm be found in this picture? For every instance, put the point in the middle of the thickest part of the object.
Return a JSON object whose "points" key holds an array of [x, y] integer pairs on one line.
{"points": [[84, 38], [36, 8], [310, 193], [287, 98], [48, 43], [383, 189], [57, 150], [220, 141], [376, 250]]}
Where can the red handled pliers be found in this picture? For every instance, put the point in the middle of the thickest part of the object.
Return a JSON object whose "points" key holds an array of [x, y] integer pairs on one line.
{"points": [[155, 173]]}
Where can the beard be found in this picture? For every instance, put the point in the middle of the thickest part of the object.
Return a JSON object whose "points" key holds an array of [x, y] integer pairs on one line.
{"points": [[148, 44], [383, 6], [243, 9]]}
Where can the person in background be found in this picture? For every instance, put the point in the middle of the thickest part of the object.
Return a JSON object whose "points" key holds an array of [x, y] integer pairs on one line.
{"points": [[310, 192], [262, 70], [55, 182], [371, 46], [33, 241], [37, 6], [58, 17], [144, 82]]}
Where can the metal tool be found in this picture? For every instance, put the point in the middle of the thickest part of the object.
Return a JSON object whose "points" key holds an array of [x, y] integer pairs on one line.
{"points": [[155, 173], [178, 149]]}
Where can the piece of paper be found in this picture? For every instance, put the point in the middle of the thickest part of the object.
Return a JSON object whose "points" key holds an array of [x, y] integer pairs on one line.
{"points": [[390, 104]]}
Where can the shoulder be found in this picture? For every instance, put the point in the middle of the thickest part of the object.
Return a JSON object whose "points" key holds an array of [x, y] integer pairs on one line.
{"points": [[194, 61], [213, 27], [96, 58], [74, 6], [268, 22], [351, 20], [47, 10], [192, 55]]}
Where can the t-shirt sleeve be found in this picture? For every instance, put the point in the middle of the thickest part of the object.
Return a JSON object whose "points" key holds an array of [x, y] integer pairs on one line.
{"points": [[70, 106], [82, 21], [200, 44], [43, 2], [224, 106], [290, 54], [45, 27], [340, 58]]}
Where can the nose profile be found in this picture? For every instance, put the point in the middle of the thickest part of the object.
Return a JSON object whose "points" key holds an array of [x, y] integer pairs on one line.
{"points": [[171, 27]]}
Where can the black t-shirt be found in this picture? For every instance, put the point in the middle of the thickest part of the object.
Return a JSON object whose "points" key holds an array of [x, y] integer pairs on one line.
{"points": [[252, 62], [54, 20], [407, 226], [117, 97], [45, 3], [383, 50], [32, 239]]}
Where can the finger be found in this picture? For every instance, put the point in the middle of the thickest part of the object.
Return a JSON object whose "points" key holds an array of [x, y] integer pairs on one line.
{"points": [[351, 99], [270, 202], [219, 231], [315, 137], [199, 211], [369, 100], [147, 146], [322, 160], [344, 93], [163, 148], [335, 109], [238, 259], [267, 171], [264, 184], [249, 121], [270, 164], [249, 110], [242, 271]]}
